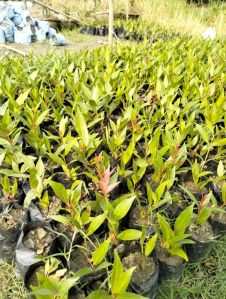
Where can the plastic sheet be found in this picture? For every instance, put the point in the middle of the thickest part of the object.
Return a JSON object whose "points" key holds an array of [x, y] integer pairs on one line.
{"points": [[17, 25], [2, 36]]}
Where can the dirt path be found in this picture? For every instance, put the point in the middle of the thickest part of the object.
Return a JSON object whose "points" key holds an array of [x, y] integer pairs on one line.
{"points": [[45, 48]]}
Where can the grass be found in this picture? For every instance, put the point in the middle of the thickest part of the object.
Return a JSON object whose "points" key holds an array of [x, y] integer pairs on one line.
{"points": [[171, 14], [10, 286], [205, 280]]}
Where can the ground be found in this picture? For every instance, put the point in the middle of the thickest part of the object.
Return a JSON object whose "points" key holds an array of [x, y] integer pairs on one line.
{"points": [[75, 42]]}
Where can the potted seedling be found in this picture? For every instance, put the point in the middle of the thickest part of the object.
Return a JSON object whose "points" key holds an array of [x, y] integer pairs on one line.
{"points": [[196, 182], [118, 283], [144, 215], [10, 191], [169, 251], [200, 230], [54, 281]]}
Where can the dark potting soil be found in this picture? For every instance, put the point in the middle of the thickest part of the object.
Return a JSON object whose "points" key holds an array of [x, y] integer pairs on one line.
{"points": [[145, 267], [145, 277], [32, 279], [12, 217], [201, 233], [138, 219], [53, 207], [174, 209], [164, 256], [191, 186], [218, 222], [39, 240]]}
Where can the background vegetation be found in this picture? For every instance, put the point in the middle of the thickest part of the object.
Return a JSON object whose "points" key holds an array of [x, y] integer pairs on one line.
{"points": [[171, 14]]}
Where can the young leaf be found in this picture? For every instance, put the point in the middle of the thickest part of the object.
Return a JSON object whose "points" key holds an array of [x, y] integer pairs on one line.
{"points": [[62, 219], [59, 190], [220, 169], [120, 280], [123, 208], [150, 245], [166, 230], [204, 214], [203, 133], [127, 154], [22, 97], [183, 220], [117, 273], [100, 253], [179, 252], [81, 128], [3, 108], [129, 235], [95, 224]]}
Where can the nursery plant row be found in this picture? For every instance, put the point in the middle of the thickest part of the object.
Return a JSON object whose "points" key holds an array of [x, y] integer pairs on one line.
{"points": [[112, 166], [133, 30]]}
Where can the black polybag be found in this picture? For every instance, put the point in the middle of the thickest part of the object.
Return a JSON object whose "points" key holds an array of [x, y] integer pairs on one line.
{"points": [[26, 259], [9, 238]]}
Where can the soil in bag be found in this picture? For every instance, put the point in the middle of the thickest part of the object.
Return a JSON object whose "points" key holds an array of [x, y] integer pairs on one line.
{"points": [[12, 220], [80, 258], [203, 237], [144, 280], [170, 266], [138, 218], [35, 242]]}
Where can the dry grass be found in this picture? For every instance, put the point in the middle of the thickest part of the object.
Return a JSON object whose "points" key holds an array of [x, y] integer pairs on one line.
{"points": [[10, 286], [171, 14]]}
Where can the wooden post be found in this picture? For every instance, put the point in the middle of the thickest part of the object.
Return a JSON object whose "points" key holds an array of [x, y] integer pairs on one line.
{"points": [[25, 3], [111, 20], [127, 9]]}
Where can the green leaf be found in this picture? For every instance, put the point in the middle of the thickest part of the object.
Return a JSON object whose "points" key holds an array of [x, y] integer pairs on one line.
{"points": [[160, 190], [95, 223], [224, 193], [117, 273], [129, 295], [204, 214], [220, 169], [203, 133], [100, 253], [129, 235], [81, 128], [62, 219], [150, 245], [41, 117], [151, 195], [123, 208], [166, 230], [127, 154], [220, 142], [177, 239], [179, 252], [33, 178], [29, 197], [120, 280], [3, 108], [59, 190], [22, 97], [183, 220]]}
